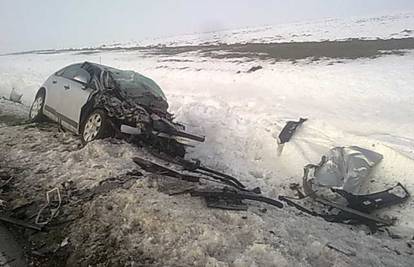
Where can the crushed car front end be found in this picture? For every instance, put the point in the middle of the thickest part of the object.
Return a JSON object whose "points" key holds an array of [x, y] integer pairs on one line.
{"points": [[137, 106]]}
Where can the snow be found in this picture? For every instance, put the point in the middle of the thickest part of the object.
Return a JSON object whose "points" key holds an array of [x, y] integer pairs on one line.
{"points": [[363, 102], [143, 222], [398, 25]]}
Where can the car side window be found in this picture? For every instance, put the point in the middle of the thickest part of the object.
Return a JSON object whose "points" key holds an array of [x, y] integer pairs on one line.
{"points": [[60, 72], [70, 71], [82, 76], [75, 72]]}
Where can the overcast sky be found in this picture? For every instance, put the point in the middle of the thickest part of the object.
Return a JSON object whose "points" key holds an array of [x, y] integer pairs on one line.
{"points": [[40, 24]]}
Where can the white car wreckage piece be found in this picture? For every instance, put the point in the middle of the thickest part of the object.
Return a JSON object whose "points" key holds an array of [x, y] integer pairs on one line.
{"points": [[338, 183]]}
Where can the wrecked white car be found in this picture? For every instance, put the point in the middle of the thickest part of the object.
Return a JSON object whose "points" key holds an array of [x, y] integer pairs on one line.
{"points": [[97, 101]]}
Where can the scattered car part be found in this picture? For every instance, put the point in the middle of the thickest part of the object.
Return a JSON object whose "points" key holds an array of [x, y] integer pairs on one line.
{"points": [[343, 167], [347, 215], [221, 202], [195, 166], [188, 174], [129, 130], [225, 203], [295, 187], [226, 194], [153, 167], [8, 219], [344, 170], [289, 129], [223, 198], [287, 133], [366, 203], [292, 203], [352, 213], [53, 202]]}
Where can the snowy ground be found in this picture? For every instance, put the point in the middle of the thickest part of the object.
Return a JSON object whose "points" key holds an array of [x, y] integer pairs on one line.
{"points": [[366, 102], [140, 224]]}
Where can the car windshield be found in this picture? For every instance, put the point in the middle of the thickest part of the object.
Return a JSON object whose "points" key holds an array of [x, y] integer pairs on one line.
{"points": [[135, 84]]}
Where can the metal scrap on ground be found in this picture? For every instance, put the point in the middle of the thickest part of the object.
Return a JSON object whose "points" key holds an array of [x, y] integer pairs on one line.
{"points": [[225, 194], [366, 203], [342, 167], [342, 173], [196, 167], [224, 198], [289, 129], [11, 220], [51, 207], [345, 215], [287, 132]]}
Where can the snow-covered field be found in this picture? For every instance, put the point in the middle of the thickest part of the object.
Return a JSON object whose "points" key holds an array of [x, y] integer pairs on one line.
{"points": [[398, 25], [364, 102]]}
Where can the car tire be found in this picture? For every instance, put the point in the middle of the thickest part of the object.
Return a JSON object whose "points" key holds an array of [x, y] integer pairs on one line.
{"points": [[96, 126], [36, 109]]}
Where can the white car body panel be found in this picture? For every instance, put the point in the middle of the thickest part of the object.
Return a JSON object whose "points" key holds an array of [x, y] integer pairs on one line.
{"points": [[64, 101], [73, 97], [52, 94]]}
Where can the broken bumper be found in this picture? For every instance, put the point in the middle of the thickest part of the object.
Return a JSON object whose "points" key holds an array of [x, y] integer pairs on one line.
{"points": [[179, 136], [130, 130]]}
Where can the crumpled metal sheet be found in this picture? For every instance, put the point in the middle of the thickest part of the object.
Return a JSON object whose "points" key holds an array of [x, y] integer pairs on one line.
{"points": [[121, 110], [116, 103], [346, 168]]}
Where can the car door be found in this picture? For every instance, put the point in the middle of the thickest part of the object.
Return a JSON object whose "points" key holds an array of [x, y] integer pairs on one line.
{"points": [[54, 86], [74, 95]]}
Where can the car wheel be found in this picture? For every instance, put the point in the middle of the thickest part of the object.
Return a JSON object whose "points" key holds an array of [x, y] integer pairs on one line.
{"points": [[96, 126], [36, 110]]}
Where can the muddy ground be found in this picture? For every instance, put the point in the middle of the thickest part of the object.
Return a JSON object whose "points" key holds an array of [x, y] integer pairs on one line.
{"points": [[291, 51], [347, 49]]}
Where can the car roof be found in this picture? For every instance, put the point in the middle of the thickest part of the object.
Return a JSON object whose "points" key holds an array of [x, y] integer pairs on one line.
{"points": [[142, 80], [102, 67], [108, 68]]}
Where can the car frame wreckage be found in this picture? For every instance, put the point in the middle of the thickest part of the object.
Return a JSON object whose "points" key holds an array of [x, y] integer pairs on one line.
{"points": [[136, 109], [145, 116], [342, 206], [98, 101], [337, 182]]}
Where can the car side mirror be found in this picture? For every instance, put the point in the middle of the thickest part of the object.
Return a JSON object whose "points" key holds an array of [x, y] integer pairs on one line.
{"points": [[81, 79]]}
